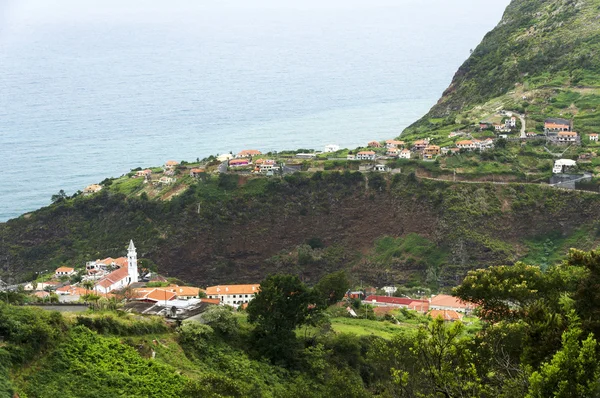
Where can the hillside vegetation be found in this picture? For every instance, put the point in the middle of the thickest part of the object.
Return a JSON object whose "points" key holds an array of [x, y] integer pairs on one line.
{"points": [[382, 228], [543, 58]]}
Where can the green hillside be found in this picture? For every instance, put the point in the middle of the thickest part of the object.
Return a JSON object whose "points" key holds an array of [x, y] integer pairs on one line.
{"points": [[543, 58]]}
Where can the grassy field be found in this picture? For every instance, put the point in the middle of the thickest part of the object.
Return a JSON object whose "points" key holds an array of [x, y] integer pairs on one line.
{"points": [[366, 327]]}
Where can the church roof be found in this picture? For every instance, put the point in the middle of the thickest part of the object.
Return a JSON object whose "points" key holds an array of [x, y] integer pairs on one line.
{"points": [[113, 277]]}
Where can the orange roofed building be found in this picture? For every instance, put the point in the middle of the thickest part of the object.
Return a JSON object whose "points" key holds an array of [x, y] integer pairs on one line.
{"points": [[248, 152], [446, 315], [233, 295], [64, 271], [446, 302]]}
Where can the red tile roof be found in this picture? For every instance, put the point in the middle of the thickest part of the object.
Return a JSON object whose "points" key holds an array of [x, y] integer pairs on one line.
{"points": [[444, 300], [389, 300], [113, 277], [64, 269], [447, 315]]}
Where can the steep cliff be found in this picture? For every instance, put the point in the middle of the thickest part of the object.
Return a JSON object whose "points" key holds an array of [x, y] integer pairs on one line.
{"points": [[243, 229]]}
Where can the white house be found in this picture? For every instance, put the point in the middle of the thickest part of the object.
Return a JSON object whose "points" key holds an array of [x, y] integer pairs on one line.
{"points": [[593, 137], [365, 155], [224, 157], [404, 154], [567, 137], [64, 271], [232, 295], [466, 144], [332, 148], [562, 164], [482, 145], [166, 180], [389, 289], [92, 189], [511, 123], [121, 277]]}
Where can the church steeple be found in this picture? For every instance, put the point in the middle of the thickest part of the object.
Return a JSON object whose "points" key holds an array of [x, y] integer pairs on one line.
{"points": [[132, 263]]}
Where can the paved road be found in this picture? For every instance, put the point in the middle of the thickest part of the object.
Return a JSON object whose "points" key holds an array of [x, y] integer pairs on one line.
{"points": [[551, 186], [522, 117]]}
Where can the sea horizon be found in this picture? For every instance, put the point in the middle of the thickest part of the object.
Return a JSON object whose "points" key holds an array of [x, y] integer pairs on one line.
{"points": [[91, 94]]}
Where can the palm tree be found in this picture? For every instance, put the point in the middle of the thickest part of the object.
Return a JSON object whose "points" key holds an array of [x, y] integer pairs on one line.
{"points": [[87, 284]]}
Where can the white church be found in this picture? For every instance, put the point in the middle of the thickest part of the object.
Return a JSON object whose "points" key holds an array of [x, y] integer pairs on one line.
{"points": [[122, 277]]}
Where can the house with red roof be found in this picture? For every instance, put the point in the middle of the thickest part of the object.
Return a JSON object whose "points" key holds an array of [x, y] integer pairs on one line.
{"points": [[446, 302], [64, 271], [248, 152], [593, 137], [398, 302], [196, 172], [365, 155], [446, 315]]}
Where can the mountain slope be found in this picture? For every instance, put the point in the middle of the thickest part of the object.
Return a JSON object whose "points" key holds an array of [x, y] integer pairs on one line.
{"points": [[539, 51]]}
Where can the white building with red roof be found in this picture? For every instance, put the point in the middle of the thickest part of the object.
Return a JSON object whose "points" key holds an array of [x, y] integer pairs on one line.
{"points": [[121, 277], [445, 302]]}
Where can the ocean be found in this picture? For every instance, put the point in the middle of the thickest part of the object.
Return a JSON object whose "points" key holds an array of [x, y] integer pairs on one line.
{"points": [[92, 89]]}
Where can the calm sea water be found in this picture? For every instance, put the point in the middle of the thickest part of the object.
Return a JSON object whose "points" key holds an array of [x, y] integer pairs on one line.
{"points": [[91, 89]]}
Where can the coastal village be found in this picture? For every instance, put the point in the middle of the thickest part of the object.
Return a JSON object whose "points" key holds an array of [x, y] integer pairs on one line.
{"points": [[122, 282], [564, 158]]}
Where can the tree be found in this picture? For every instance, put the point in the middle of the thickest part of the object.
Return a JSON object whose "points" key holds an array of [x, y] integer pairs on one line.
{"points": [[282, 304], [446, 361], [501, 143], [221, 319], [574, 370], [332, 287], [59, 197]]}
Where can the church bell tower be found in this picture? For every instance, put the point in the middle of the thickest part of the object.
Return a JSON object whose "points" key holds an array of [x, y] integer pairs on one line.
{"points": [[132, 263]]}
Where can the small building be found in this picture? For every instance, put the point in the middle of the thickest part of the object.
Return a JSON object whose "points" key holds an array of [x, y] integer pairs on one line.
{"points": [[365, 155], [306, 155], [184, 292], [446, 315], [562, 165], [567, 137], [233, 295], [225, 157], [331, 148], [466, 144], [248, 153], [395, 152], [389, 289], [404, 154], [195, 172], [92, 189], [64, 271], [446, 302], [554, 125], [171, 164], [351, 157], [511, 122], [531, 134], [382, 168], [394, 144], [419, 145], [485, 144], [166, 180], [239, 162], [484, 125], [431, 151], [374, 144], [593, 137], [143, 173]]}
